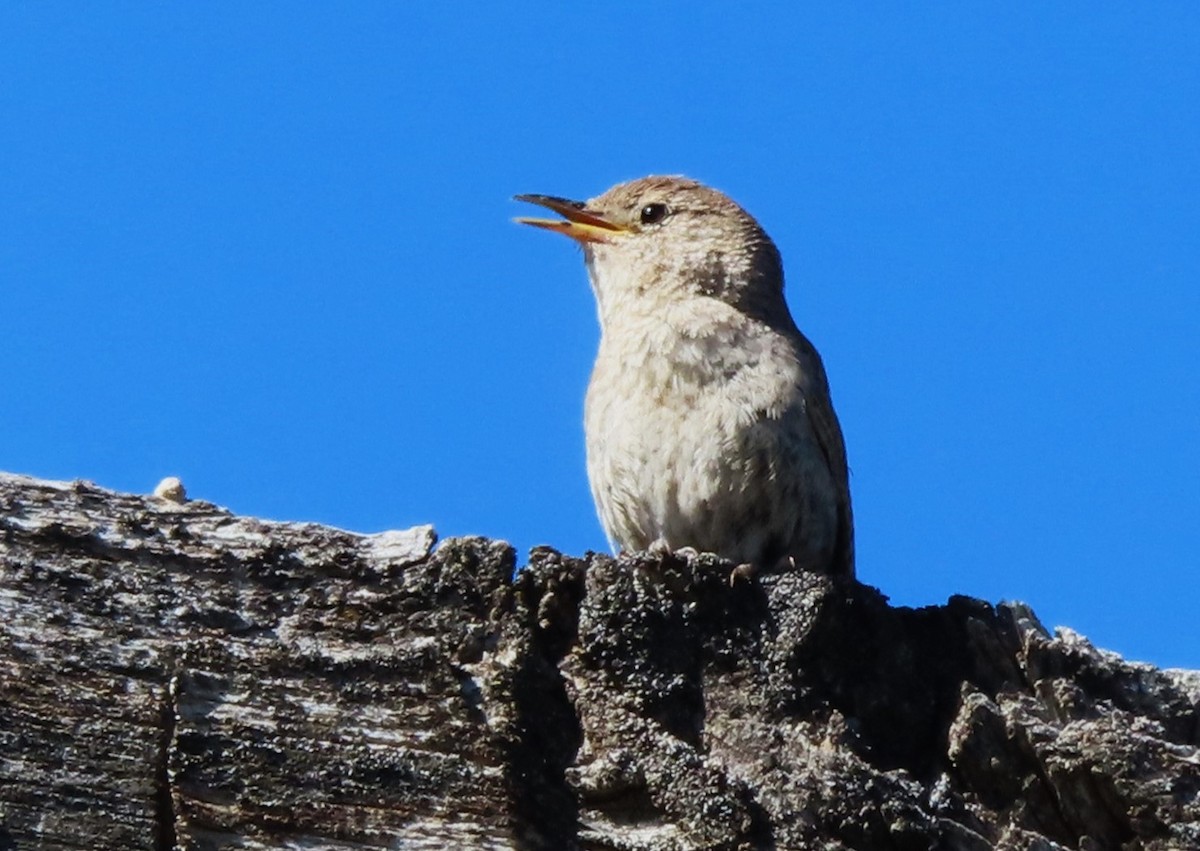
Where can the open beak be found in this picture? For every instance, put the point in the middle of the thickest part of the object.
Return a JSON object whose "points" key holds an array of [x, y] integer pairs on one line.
{"points": [[581, 224]]}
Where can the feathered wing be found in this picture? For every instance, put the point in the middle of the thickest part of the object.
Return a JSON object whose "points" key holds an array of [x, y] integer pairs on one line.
{"points": [[828, 431]]}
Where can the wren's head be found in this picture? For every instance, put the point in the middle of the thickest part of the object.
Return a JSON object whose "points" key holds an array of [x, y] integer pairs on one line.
{"points": [[662, 241]]}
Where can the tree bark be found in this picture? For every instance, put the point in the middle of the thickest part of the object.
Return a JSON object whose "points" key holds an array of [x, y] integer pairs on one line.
{"points": [[174, 676]]}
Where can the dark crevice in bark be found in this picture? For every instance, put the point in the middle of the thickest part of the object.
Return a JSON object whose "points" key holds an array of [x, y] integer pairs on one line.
{"points": [[164, 797], [545, 809]]}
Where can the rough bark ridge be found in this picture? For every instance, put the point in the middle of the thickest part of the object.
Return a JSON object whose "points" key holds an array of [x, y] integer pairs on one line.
{"points": [[173, 676]]}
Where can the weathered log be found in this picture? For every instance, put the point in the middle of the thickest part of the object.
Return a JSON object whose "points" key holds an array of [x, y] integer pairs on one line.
{"points": [[173, 676]]}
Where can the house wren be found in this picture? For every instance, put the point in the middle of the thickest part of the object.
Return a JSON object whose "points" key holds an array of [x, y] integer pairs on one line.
{"points": [[708, 421]]}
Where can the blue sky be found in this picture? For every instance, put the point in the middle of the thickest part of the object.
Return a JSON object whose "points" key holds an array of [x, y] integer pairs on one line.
{"points": [[267, 248]]}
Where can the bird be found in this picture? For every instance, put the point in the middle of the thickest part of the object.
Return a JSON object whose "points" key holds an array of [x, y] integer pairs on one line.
{"points": [[708, 422]]}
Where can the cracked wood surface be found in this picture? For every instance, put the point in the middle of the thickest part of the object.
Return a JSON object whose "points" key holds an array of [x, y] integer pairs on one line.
{"points": [[174, 676]]}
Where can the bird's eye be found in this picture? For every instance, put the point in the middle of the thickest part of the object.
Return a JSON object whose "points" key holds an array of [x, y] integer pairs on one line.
{"points": [[652, 214]]}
